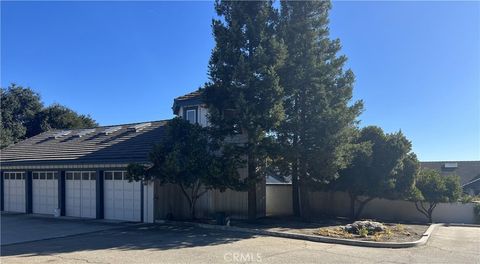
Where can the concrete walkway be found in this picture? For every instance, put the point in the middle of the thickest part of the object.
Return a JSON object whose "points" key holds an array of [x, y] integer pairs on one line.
{"points": [[18, 228]]}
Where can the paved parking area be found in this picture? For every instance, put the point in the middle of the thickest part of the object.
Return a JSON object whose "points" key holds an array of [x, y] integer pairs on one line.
{"points": [[169, 244], [18, 228]]}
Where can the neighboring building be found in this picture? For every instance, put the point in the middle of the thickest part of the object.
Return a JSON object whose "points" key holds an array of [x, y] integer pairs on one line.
{"points": [[468, 171], [82, 172], [274, 179]]}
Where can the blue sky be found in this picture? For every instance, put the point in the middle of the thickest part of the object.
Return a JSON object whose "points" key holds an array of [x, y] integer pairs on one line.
{"points": [[417, 64]]}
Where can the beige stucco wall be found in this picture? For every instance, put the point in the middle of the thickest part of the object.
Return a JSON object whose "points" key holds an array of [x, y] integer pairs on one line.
{"points": [[279, 199], [338, 204]]}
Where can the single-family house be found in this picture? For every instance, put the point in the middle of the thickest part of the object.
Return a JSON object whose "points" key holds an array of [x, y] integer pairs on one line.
{"points": [[468, 171], [82, 173]]}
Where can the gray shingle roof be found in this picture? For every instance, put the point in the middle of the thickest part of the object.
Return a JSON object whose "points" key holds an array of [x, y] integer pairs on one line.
{"points": [[467, 170], [192, 95], [192, 98], [122, 146]]}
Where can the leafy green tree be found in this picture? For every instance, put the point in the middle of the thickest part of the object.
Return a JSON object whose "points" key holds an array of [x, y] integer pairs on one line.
{"points": [[188, 158], [320, 118], [19, 106], [432, 188], [244, 95], [58, 116], [24, 115], [383, 167]]}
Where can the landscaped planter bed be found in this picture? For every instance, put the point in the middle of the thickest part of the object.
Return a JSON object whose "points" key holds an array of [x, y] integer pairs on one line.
{"points": [[335, 228], [393, 233]]}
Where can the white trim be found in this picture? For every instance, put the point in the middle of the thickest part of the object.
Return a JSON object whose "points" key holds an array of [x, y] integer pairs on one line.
{"points": [[69, 166], [148, 202], [468, 183], [195, 113]]}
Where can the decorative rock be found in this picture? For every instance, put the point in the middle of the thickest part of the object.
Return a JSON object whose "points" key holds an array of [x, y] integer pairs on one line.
{"points": [[371, 226]]}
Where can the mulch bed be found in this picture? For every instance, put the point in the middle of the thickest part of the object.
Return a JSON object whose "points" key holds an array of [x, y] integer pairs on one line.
{"points": [[334, 228]]}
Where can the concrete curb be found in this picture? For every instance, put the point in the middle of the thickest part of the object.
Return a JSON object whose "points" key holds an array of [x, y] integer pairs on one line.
{"points": [[460, 225], [323, 239]]}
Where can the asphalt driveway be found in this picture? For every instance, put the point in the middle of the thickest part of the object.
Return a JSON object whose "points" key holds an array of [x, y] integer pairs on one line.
{"points": [[19, 228], [170, 244]]}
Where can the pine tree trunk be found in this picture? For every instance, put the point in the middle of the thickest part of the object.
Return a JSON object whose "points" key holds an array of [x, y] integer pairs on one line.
{"points": [[295, 181], [304, 200], [302, 161], [304, 192], [352, 206], [295, 194], [252, 190]]}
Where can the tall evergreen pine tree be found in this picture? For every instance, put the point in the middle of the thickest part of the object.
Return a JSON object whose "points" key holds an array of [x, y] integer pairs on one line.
{"points": [[244, 95], [319, 119]]}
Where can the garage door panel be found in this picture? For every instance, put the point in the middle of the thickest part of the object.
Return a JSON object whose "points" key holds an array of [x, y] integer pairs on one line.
{"points": [[14, 192], [122, 199], [45, 192], [81, 194], [6, 195]]}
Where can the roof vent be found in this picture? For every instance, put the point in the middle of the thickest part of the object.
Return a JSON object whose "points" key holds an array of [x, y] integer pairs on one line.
{"points": [[139, 127], [61, 134], [111, 130], [85, 132], [450, 165]]}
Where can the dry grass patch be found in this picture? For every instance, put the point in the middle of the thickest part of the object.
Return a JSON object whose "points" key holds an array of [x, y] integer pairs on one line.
{"points": [[338, 232], [395, 232]]}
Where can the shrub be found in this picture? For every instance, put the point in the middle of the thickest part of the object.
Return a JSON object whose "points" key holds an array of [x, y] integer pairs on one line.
{"points": [[432, 188], [476, 211], [400, 227], [363, 232], [466, 198]]}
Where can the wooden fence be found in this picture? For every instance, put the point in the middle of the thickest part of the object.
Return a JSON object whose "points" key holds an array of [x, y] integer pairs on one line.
{"points": [[169, 200]]}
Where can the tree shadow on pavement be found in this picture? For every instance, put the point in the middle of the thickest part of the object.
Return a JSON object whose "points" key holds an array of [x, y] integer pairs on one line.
{"points": [[150, 237]]}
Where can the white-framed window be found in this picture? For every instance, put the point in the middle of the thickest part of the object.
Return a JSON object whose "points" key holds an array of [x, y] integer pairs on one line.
{"points": [[14, 175], [191, 115], [45, 175]]}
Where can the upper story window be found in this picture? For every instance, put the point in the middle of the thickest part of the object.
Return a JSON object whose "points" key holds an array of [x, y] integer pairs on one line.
{"points": [[191, 115]]}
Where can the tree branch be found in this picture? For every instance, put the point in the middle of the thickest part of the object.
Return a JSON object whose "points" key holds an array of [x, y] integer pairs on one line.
{"points": [[202, 193], [362, 205], [185, 194], [432, 207], [420, 210], [423, 207]]}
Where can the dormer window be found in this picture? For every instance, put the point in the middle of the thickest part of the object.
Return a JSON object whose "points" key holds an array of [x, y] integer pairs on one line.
{"points": [[191, 114]]}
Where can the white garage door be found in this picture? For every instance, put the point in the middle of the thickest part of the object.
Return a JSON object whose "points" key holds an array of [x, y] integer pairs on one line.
{"points": [[44, 192], [80, 194], [122, 199], [14, 192]]}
